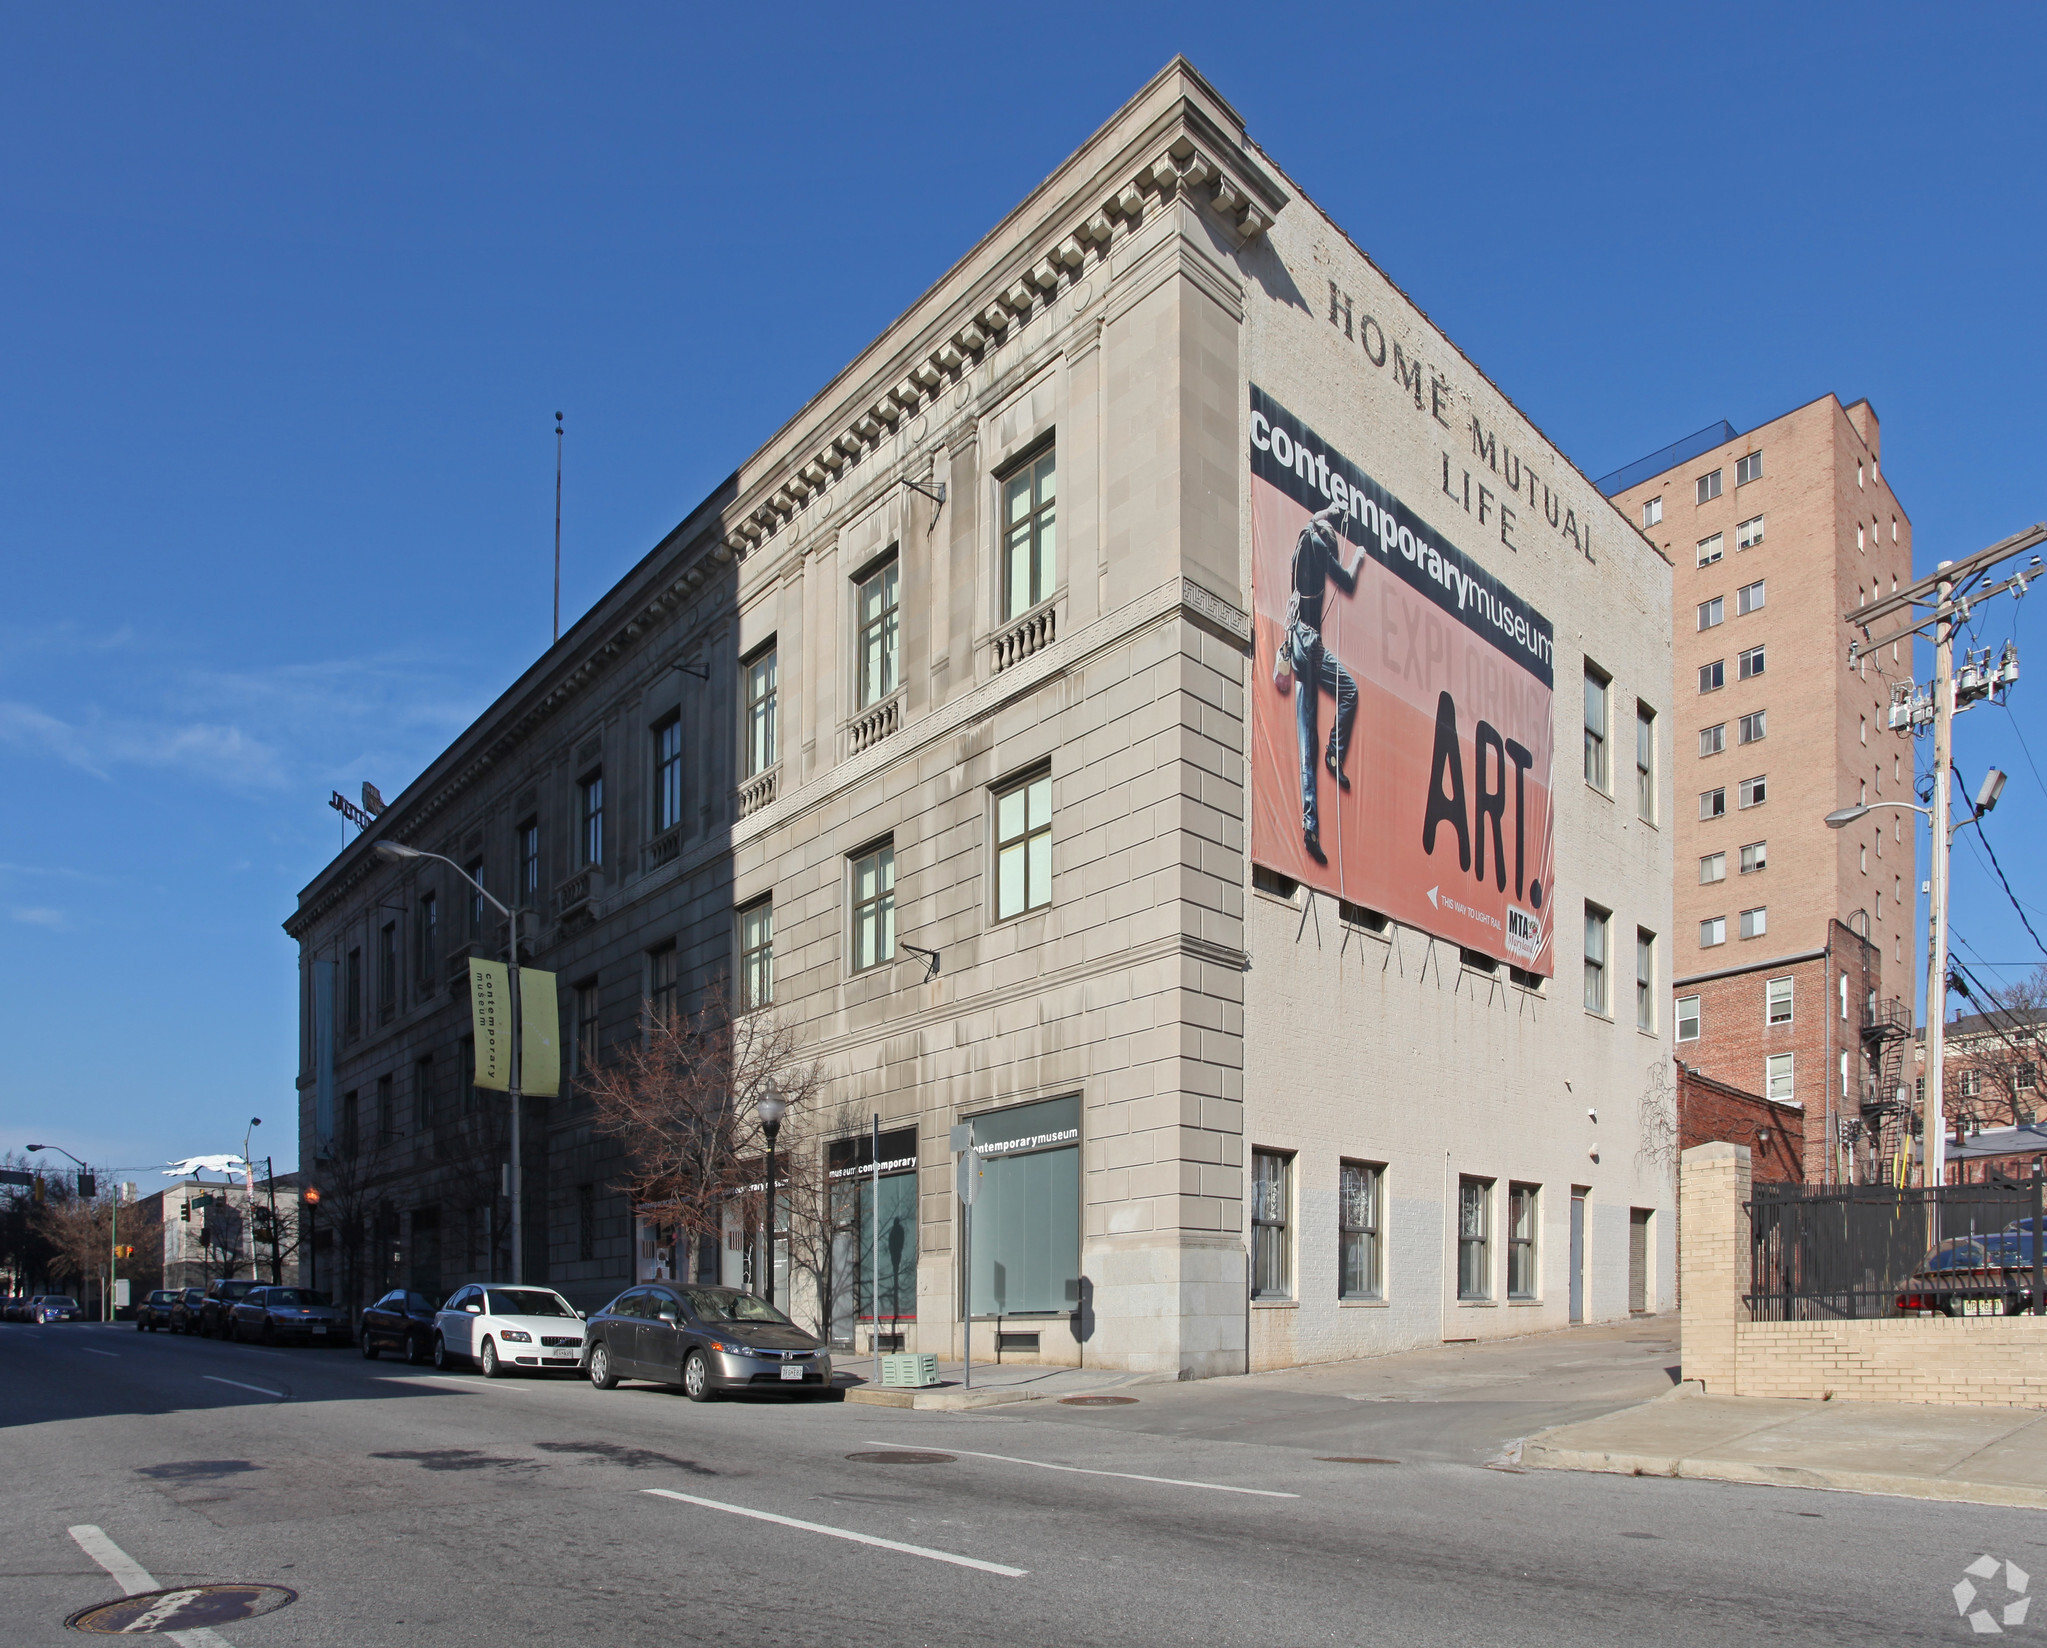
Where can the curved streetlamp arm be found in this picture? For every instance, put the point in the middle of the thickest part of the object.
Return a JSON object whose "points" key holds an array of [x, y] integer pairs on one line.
{"points": [[393, 852]]}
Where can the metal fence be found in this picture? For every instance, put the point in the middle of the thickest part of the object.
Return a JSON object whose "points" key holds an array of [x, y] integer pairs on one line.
{"points": [[1826, 1253]]}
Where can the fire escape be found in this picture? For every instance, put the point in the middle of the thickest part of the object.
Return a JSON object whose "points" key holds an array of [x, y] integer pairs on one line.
{"points": [[1886, 1103]]}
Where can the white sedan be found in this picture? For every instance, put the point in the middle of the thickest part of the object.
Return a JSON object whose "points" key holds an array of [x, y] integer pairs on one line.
{"points": [[501, 1329]]}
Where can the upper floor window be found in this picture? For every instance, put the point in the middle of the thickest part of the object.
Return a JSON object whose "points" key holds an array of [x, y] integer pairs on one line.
{"points": [[1645, 979], [1596, 922], [1711, 549], [1750, 663], [1712, 931], [475, 872], [1707, 488], [1749, 468], [428, 963], [1474, 1238], [1596, 685], [1749, 598], [668, 774], [878, 634], [662, 1000], [1713, 802], [762, 751], [1753, 726], [583, 1047], [1652, 512], [874, 907], [1023, 847], [1645, 763], [387, 973], [1713, 739], [1755, 856], [1749, 533], [1030, 566], [1777, 997], [757, 955], [1712, 868], [529, 862], [1687, 1018], [1713, 676], [1755, 923], [592, 830], [351, 1010], [1777, 1082], [1712, 612], [1752, 792]]}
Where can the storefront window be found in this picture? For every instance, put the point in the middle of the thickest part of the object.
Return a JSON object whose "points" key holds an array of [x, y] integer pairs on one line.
{"points": [[850, 1164], [1026, 1237]]}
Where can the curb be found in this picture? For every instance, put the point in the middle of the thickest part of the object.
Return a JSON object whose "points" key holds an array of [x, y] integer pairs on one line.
{"points": [[1540, 1456], [942, 1400]]}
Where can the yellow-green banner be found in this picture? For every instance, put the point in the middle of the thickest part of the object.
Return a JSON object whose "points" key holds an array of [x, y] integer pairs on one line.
{"points": [[490, 1008], [540, 1061]]}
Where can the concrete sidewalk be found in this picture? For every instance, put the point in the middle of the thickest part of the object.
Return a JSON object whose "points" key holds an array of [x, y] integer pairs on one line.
{"points": [[1979, 1455], [994, 1383]]}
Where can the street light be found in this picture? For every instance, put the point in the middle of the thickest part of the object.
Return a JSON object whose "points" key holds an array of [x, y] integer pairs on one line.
{"points": [[397, 852], [87, 1186], [771, 1108], [1934, 1132]]}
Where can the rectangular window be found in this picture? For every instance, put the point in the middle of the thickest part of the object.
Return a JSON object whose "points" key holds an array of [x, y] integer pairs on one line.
{"points": [[1596, 921], [1707, 488], [1749, 533], [387, 973], [1645, 762], [1595, 727], [1749, 598], [427, 964], [1751, 792], [1753, 726], [1030, 562], [1750, 663], [879, 620], [529, 863], [1712, 932], [1749, 468], [1755, 923], [586, 1223], [387, 1108], [584, 1047], [1777, 1077], [1521, 1228], [1645, 979], [1712, 612], [760, 733], [592, 832], [1474, 1238], [1711, 549], [1652, 512], [476, 906], [1713, 803], [1357, 1229], [1272, 1274], [667, 774], [1712, 868], [757, 955], [1777, 998], [422, 1094], [1026, 1250], [661, 989], [350, 1114], [1023, 847], [1687, 1018], [2023, 1079], [1712, 740], [874, 908], [1713, 676]]}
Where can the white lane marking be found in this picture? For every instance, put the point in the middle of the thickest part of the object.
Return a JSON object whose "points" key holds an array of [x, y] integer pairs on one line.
{"points": [[260, 1390], [134, 1579], [1128, 1476], [843, 1533], [453, 1379], [91, 1352]]}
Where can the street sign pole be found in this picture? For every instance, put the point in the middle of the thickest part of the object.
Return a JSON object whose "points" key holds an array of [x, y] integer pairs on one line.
{"points": [[874, 1242], [969, 1184]]}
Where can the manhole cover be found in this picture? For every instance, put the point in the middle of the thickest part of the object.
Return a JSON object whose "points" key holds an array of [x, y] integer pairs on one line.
{"points": [[1349, 1459], [1096, 1401], [901, 1456], [183, 1608]]}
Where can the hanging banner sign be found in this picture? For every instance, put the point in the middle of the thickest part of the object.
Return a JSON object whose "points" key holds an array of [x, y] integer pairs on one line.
{"points": [[540, 1063], [490, 1008], [490, 1011], [1401, 729]]}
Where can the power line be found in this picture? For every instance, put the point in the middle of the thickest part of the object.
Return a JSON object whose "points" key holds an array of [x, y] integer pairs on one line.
{"points": [[2018, 909]]}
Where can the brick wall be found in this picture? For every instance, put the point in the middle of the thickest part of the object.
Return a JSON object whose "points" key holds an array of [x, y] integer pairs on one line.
{"points": [[1709, 1110]]}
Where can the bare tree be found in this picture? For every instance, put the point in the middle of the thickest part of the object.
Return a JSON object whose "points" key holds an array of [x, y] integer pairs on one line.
{"points": [[80, 1232], [2007, 1056], [683, 1102]]}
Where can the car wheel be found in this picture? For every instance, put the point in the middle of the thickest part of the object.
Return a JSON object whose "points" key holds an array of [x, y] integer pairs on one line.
{"points": [[140, 1324], [267, 1333], [369, 1346], [416, 1350], [488, 1361], [444, 1359], [696, 1377], [600, 1367]]}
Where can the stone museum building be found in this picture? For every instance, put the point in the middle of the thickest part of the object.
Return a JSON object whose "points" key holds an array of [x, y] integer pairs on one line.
{"points": [[1160, 706]]}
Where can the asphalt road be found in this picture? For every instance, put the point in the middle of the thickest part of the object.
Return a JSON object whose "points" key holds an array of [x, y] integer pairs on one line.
{"points": [[405, 1507]]}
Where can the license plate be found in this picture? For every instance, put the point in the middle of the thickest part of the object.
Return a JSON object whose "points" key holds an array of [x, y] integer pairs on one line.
{"points": [[319, 1327], [1981, 1307], [791, 1371]]}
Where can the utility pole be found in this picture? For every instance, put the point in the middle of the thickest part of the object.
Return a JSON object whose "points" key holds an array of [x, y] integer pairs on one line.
{"points": [[1945, 598]]}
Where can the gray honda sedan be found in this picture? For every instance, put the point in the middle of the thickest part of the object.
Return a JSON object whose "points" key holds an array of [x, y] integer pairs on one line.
{"points": [[708, 1340]]}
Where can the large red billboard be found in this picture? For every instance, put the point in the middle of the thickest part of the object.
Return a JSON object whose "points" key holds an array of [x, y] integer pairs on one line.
{"points": [[1401, 740]]}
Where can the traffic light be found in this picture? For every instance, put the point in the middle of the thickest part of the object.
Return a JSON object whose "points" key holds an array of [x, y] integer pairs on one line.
{"points": [[124, 1253], [184, 1213], [41, 1193], [88, 1186]]}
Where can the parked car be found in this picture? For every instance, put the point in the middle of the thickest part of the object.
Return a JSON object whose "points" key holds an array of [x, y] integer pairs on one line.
{"points": [[57, 1307], [274, 1313], [221, 1297], [23, 1309], [1978, 1275], [503, 1328], [708, 1340], [155, 1310], [401, 1321], [9, 1305], [185, 1306]]}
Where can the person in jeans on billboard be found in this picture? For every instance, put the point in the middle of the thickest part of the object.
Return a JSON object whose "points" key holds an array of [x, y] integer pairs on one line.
{"points": [[1318, 562]]}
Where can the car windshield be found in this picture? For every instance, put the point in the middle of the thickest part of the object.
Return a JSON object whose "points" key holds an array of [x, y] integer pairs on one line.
{"points": [[301, 1297], [161, 1297], [234, 1290], [60, 1301], [527, 1302], [730, 1305]]}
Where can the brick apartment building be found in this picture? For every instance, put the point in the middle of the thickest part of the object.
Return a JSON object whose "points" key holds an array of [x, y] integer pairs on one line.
{"points": [[1709, 1110], [1793, 956]]}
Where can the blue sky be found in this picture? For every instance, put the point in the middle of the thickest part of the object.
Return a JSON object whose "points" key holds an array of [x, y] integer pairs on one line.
{"points": [[293, 293]]}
